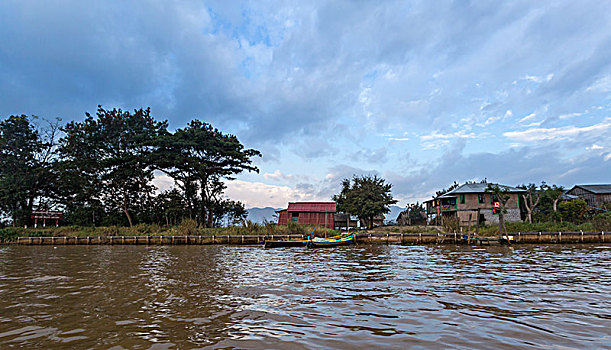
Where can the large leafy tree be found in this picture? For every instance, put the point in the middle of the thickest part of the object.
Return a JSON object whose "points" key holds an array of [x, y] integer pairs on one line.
{"points": [[27, 159], [365, 196], [108, 160], [199, 157]]}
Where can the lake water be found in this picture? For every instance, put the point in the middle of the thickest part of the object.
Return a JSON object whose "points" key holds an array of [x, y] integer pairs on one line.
{"points": [[365, 296]]}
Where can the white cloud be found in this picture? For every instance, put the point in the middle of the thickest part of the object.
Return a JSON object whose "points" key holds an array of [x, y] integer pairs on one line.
{"points": [[528, 117], [569, 115], [162, 181], [601, 85], [594, 147], [278, 175], [399, 138], [561, 133], [258, 194]]}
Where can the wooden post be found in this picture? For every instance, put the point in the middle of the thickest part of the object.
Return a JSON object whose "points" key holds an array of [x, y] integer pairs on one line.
{"points": [[477, 227]]}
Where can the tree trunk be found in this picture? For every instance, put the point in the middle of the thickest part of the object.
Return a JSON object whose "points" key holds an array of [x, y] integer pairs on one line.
{"points": [[529, 215], [129, 217]]}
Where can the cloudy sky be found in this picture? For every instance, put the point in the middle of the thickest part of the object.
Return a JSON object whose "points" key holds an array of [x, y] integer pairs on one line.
{"points": [[421, 93]]}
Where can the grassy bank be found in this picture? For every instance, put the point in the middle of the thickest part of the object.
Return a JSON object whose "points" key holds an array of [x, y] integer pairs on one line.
{"points": [[188, 227]]}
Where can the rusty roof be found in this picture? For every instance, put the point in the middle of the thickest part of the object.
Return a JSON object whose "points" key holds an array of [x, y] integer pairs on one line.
{"points": [[317, 207]]}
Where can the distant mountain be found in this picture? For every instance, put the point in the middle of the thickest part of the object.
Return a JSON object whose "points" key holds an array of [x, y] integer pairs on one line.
{"points": [[394, 213], [261, 214]]}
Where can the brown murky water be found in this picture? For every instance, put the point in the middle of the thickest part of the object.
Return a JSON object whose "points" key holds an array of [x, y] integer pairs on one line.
{"points": [[140, 297]]}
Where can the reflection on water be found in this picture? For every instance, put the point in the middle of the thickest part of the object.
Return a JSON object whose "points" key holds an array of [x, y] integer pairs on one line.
{"points": [[363, 296]]}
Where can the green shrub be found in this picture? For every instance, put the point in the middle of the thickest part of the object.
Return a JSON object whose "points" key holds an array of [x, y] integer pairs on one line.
{"points": [[187, 227], [602, 222], [9, 234]]}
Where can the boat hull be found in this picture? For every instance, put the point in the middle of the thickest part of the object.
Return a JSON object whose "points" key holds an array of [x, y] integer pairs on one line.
{"points": [[325, 243]]}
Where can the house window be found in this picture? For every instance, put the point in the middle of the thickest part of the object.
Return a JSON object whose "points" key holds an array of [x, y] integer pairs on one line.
{"points": [[481, 198], [462, 199], [295, 217], [493, 198]]}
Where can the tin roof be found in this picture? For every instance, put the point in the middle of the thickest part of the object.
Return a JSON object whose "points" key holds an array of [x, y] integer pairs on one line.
{"points": [[480, 188], [317, 207], [597, 189]]}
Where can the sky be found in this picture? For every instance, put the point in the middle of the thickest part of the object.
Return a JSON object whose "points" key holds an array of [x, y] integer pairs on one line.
{"points": [[421, 93]]}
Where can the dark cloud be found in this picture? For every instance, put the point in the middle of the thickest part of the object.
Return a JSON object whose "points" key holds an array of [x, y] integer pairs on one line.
{"points": [[323, 80], [511, 167]]}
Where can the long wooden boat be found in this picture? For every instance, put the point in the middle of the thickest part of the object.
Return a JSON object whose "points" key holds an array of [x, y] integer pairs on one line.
{"points": [[300, 242], [332, 241]]}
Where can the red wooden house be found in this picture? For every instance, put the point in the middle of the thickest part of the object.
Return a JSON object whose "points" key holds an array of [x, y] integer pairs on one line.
{"points": [[308, 213]]}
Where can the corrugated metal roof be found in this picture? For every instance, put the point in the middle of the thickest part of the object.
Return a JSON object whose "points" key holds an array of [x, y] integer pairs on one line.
{"points": [[598, 189], [313, 207], [480, 188]]}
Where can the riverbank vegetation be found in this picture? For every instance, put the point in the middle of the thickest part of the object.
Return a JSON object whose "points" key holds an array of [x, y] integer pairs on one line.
{"points": [[99, 171], [187, 228]]}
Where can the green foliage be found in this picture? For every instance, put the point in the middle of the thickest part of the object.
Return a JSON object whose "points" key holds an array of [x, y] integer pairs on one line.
{"points": [[198, 157], [295, 228], [365, 197], [602, 222], [111, 153], [574, 211], [9, 234], [27, 160], [537, 227], [547, 210], [444, 191], [100, 173], [187, 227], [250, 226]]}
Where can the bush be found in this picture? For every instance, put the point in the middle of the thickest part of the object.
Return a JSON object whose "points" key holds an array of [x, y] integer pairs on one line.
{"points": [[187, 227], [450, 223], [295, 229], [9, 234], [602, 222]]}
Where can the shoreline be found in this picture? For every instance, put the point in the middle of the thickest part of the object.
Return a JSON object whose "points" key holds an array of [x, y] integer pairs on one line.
{"points": [[372, 238]]}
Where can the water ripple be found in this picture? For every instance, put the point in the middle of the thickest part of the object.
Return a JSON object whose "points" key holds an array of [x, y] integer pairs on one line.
{"points": [[351, 297]]}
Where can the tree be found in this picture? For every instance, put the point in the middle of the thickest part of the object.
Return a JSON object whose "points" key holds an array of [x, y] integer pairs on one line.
{"points": [[111, 154], [198, 158], [444, 191], [531, 199], [547, 210], [365, 196], [501, 194], [574, 210], [414, 213], [27, 160]]}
